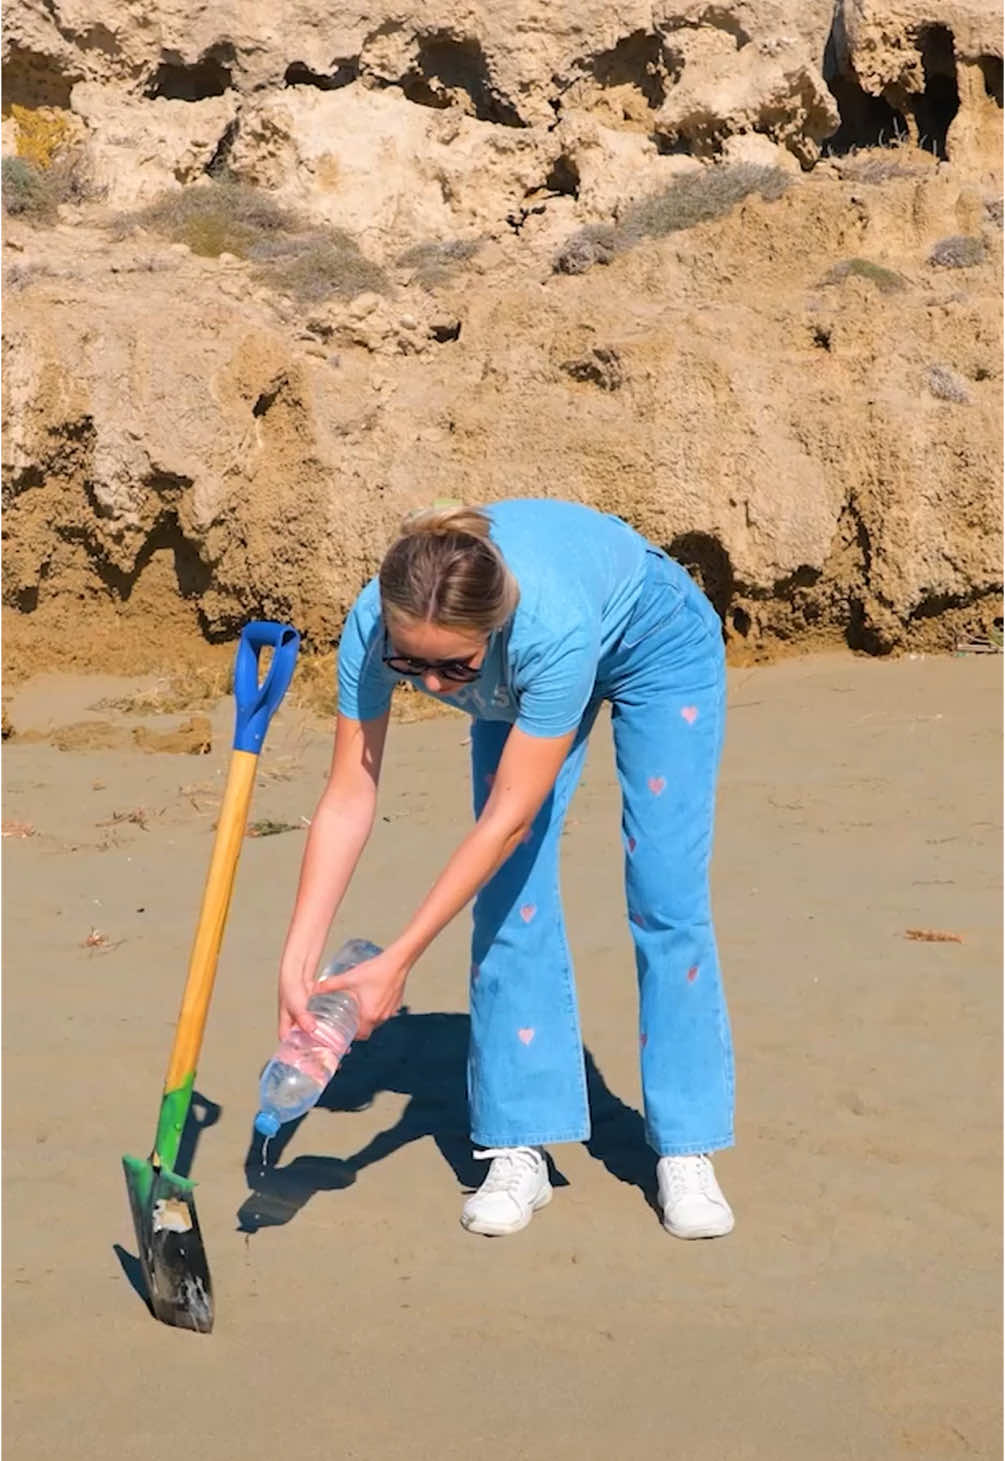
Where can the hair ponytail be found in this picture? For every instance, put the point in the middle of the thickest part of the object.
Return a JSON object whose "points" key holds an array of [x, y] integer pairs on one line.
{"points": [[444, 569]]}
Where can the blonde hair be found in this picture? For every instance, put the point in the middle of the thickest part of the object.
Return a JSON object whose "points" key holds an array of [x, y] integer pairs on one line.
{"points": [[444, 569]]}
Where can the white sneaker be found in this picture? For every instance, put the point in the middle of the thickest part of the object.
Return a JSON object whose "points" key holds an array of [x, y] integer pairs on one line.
{"points": [[516, 1186], [691, 1199]]}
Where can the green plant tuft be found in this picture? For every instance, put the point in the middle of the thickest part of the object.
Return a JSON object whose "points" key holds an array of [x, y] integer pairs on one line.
{"points": [[27, 192], [887, 281], [219, 218]]}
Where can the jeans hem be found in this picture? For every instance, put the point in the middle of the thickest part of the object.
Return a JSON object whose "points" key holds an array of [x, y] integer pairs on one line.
{"points": [[689, 1148], [581, 1133]]}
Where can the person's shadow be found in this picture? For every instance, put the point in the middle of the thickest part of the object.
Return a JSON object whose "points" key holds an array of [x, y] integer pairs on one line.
{"points": [[423, 1057]]}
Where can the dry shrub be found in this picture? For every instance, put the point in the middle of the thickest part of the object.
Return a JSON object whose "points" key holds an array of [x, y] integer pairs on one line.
{"points": [[695, 198], [328, 265], [219, 218], [49, 167], [596, 244], [292, 256], [887, 281], [945, 385], [27, 192], [700, 197], [959, 252], [434, 264]]}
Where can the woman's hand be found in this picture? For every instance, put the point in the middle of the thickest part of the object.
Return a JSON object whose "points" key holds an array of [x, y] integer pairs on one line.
{"points": [[296, 985], [378, 985]]}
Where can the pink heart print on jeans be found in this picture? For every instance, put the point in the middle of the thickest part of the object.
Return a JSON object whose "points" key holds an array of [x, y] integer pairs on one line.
{"points": [[690, 714], [527, 911], [525, 1036], [657, 785]]}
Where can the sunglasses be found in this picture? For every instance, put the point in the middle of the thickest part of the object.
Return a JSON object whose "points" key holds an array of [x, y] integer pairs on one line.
{"points": [[458, 671]]}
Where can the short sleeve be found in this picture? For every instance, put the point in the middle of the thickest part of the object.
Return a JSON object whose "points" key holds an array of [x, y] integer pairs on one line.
{"points": [[364, 682], [555, 679]]}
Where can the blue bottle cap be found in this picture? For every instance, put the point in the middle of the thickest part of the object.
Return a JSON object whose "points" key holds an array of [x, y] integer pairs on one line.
{"points": [[267, 1123]]}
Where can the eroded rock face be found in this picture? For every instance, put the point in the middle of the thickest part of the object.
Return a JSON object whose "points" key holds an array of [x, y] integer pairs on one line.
{"points": [[566, 290], [936, 67]]}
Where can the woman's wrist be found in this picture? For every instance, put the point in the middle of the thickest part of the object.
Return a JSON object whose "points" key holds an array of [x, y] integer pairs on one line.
{"points": [[407, 948]]}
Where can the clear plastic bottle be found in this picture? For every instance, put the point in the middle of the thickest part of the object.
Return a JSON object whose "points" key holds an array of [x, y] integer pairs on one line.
{"points": [[301, 1068]]}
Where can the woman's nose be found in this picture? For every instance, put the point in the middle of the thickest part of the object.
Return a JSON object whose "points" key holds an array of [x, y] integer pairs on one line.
{"points": [[433, 683]]}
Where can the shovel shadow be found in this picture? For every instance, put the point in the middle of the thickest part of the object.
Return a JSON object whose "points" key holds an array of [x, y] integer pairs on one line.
{"points": [[423, 1057]]}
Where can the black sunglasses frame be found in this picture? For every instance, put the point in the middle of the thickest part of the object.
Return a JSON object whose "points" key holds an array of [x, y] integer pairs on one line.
{"points": [[457, 671]]}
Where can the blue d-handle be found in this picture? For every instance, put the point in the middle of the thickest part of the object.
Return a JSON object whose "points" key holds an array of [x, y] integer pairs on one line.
{"points": [[256, 703]]}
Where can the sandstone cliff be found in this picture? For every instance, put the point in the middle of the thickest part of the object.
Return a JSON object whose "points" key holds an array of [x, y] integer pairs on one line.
{"points": [[730, 271]]}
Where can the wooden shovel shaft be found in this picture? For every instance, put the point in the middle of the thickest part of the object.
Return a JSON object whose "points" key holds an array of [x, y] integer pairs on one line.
{"points": [[212, 918]]}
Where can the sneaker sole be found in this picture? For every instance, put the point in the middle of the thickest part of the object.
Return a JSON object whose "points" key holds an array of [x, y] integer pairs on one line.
{"points": [[500, 1230], [719, 1230]]}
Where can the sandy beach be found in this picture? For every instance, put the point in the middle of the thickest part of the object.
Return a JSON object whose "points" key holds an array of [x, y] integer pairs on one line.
{"points": [[854, 1315]]}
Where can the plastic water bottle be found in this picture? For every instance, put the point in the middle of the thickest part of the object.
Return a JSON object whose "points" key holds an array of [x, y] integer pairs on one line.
{"points": [[301, 1068]]}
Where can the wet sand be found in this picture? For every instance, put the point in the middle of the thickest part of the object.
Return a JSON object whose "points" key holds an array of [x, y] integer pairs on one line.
{"points": [[855, 1311]]}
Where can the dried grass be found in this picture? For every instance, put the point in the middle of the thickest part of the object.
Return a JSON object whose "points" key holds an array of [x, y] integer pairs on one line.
{"points": [[961, 251], [435, 264], [945, 385], [695, 198], [933, 936], [291, 255], [171, 694]]}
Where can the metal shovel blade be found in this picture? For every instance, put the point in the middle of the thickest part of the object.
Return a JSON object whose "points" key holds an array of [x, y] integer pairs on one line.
{"points": [[171, 1253]]}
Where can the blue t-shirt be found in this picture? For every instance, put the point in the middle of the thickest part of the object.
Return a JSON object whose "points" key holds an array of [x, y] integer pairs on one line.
{"points": [[580, 573]]}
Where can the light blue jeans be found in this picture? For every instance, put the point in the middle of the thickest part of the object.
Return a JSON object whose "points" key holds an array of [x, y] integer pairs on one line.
{"points": [[665, 681]]}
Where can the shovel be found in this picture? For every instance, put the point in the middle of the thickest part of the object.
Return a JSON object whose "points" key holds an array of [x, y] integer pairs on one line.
{"points": [[171, 1254]]}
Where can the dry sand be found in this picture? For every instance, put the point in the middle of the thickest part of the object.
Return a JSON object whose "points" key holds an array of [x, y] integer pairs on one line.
{"points": [[854, 1313]]}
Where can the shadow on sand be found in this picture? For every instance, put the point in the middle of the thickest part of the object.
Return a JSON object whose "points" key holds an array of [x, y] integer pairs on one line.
{"points": [[422, 1057]]}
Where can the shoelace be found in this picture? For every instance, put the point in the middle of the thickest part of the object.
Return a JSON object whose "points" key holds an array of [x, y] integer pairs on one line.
{"points": [[508, 1163], [690, 1175]]}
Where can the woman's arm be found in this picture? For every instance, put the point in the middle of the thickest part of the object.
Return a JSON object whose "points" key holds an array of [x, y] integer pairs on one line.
{"points": [[526, 774], [338, 834]]}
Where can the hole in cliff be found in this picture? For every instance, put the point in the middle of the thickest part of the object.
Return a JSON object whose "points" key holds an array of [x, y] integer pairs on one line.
{"points": [[709, 565], [668, 145], [25, 600], [866, 121], [991, 70], [343, 73], [443, 333], [447, 66], [176, 81], [563, 177], [267, 398], [193, 576], [741, 622], [636, 60], [218, 165], [31, 80], [861, 635], [938, 104]]}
